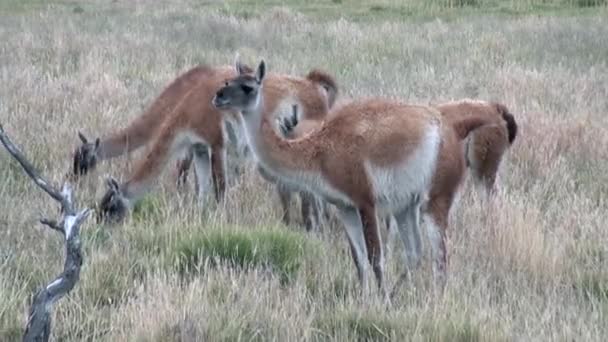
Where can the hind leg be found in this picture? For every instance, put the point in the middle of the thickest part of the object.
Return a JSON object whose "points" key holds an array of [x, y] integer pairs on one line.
{"points": [[391, 229], [408, 224], [374, 246], [436, 220], [183, 169]]}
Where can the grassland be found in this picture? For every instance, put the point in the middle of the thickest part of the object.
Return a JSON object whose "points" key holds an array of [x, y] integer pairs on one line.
{"points": [[530, 265]]}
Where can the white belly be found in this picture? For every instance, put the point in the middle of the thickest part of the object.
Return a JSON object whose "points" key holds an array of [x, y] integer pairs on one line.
{"points": [[395, 186]]}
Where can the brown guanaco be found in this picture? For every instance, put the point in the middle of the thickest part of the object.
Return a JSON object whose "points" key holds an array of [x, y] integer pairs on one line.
{"points": [[370, 154]]}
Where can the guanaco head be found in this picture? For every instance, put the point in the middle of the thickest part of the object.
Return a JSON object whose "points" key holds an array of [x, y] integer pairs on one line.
{"points": [[85, 156], [113, 207], [243, 92]]}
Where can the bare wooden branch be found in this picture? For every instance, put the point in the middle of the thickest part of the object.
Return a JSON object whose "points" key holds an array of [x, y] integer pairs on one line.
{"points": [[39, 323], [28, 167]]}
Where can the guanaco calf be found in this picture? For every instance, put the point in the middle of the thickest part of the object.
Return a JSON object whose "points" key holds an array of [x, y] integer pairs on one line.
{"points": [[193, 124], [373, 154]]}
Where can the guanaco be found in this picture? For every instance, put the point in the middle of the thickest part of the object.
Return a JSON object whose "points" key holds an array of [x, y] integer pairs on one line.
{"points": [[484, 148], [487, 145], [313, 210], [194, 124], [371, 154], [141, 130]]}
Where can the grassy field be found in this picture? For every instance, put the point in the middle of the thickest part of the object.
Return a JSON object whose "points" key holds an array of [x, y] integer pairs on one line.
{"points": [[530, 265]]}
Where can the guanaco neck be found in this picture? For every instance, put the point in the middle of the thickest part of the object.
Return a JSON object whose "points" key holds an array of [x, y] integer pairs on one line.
{"points": [[272, 151]]}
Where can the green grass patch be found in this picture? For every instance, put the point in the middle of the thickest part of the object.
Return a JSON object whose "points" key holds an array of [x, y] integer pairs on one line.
{"points": [[283, 252]]}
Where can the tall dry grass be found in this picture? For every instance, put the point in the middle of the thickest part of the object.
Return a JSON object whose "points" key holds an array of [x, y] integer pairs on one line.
{"points": [[530, 265]]}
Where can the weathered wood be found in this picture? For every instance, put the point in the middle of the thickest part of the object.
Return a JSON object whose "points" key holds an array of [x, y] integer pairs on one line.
{"points": [[39, 322]]}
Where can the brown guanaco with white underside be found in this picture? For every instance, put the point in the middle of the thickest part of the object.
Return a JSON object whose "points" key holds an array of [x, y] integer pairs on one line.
{"points": [[373, 154], [484, 149]]}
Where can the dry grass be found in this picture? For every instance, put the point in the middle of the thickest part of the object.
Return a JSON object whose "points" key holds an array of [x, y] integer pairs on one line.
{"points": [[531, 265]]}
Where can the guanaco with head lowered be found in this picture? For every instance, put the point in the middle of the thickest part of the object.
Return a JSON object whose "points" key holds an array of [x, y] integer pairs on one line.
{"points": [[194, 124], [142, 129], [373, 154]]}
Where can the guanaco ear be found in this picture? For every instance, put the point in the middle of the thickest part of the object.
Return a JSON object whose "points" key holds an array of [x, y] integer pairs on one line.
{"points": [[294, 113], [238, 65], [260, 72], [82, 138], [112, 184]]}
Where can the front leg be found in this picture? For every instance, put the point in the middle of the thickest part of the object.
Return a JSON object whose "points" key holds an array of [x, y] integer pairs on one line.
{"points": [[308, 209], [285, 198], [352, 224], [218, 172]]}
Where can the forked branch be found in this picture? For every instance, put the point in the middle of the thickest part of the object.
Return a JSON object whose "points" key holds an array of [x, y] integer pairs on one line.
{"points": [[39, 322]]}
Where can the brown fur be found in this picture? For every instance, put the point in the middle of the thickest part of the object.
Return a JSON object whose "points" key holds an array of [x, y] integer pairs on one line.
{"points": [[194, 114], [327, 82], [488, 144], [486, 149], [377, 131], [337, 159], [143, 128]]}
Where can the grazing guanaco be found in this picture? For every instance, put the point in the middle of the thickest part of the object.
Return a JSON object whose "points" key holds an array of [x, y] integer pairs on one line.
{"points": [[373, 154], [142, 129], [194, 124]]}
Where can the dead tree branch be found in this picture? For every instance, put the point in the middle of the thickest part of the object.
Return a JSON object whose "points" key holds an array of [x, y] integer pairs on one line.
{"points": [[39, 322]]}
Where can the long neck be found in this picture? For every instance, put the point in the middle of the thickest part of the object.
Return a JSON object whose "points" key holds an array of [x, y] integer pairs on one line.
{"points": [[274, 152]]}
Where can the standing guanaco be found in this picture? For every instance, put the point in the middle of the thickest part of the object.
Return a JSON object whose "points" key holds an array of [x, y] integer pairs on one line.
{"points": [[194, 124], [484, 149], [372, 154]]}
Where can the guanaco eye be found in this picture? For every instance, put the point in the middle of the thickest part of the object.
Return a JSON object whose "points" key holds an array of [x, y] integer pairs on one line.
{"points": [[246, 89]]}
